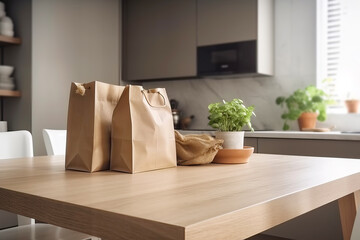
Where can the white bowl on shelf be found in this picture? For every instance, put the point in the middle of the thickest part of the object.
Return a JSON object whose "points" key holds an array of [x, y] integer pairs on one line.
{"points": [[8, 28], [7, 86], [6, 22], [6, 79], [6, 71], [2, 13], [7, 33]]}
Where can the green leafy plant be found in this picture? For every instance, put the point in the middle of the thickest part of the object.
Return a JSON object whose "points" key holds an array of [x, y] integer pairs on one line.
{"points": [[310, 99], [230, 116]]}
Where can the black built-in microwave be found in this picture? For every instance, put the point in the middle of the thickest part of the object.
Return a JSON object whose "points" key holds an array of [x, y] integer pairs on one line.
{"points": [[229, 58]]}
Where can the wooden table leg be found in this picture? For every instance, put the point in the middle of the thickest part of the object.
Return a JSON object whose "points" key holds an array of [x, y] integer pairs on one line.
{"points": [[348, 206]]}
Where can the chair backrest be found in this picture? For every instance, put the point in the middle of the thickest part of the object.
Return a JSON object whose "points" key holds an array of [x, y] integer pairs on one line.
{"points": [[16, 144], [55, 141]]}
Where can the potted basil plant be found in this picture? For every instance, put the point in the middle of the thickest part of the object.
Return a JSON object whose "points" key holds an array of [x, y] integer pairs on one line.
{"points": [[305, 105], [229, 118]]}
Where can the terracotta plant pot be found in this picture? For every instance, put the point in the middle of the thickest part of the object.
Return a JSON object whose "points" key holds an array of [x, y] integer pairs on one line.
{"points": [[307, 120], [352, 105]]}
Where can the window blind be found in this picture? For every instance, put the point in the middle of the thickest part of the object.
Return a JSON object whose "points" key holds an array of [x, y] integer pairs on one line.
{"points": [[329, 42]]}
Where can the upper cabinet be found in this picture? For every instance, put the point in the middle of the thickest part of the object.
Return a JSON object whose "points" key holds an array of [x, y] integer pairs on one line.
{"points": [[226, 21], [159, 39]]}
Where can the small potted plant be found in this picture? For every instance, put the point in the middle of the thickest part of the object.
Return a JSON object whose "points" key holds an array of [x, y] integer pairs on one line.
{"points": [[352, 103], [305, 105], [229, 118]]}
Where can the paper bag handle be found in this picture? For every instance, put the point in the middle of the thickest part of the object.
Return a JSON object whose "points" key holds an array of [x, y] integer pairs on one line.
{"points": [[80, 88], [155, 90]]}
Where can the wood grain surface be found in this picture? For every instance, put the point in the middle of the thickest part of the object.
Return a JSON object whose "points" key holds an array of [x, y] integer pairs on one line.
{"points": [[212, 201]]}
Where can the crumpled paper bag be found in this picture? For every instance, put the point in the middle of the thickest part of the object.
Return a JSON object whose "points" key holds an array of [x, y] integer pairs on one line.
{"points": [[195, 149]]}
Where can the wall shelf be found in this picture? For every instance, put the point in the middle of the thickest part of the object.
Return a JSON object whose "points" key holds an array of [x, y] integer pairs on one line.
{"points": [[9, 93], [6, 93], [5, 40]]}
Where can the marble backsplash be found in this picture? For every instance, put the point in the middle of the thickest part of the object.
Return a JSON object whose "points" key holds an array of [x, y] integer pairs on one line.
{"points": [[195, 95]]}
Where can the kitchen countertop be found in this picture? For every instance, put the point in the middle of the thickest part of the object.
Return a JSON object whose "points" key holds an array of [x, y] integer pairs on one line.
{"points": [[288, 134]]}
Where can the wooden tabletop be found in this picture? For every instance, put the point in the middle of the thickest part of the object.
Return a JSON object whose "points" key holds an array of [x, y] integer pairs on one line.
{"points": [[197, 202]]}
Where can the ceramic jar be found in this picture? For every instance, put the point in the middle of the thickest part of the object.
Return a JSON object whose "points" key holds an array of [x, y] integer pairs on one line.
{"points": [[232, 140]]}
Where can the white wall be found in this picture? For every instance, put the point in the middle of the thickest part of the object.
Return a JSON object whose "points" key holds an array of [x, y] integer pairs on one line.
{"points": [[72, 41]]}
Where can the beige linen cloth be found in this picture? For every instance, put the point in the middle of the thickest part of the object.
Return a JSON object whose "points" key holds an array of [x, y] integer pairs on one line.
{"points": [[194, 149]]}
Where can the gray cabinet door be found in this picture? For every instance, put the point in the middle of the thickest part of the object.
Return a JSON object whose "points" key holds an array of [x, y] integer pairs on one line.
{"points": [[252, 142], [224, 21], [309, 147], [159, 39]]}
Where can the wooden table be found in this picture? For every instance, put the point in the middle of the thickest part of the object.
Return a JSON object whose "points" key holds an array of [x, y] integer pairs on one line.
{"points": [[198, 202]]}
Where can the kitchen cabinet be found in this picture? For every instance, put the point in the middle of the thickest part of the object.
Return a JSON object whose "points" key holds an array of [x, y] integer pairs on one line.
{"points": [[159, 39], [305, 147], [252, 142], [228, 21], [309, 147]]}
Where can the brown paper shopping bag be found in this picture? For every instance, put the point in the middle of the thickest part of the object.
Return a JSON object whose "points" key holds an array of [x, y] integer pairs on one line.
{"points": [[91, 106], [142, 132]]}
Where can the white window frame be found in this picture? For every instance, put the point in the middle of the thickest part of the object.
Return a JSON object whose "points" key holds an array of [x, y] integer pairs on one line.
{"points": [[322, 67], [336, 88]]}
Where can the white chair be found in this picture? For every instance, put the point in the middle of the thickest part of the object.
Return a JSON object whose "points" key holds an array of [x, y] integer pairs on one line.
{"points": [[19, 144], [15, 145], [55, 141]]}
